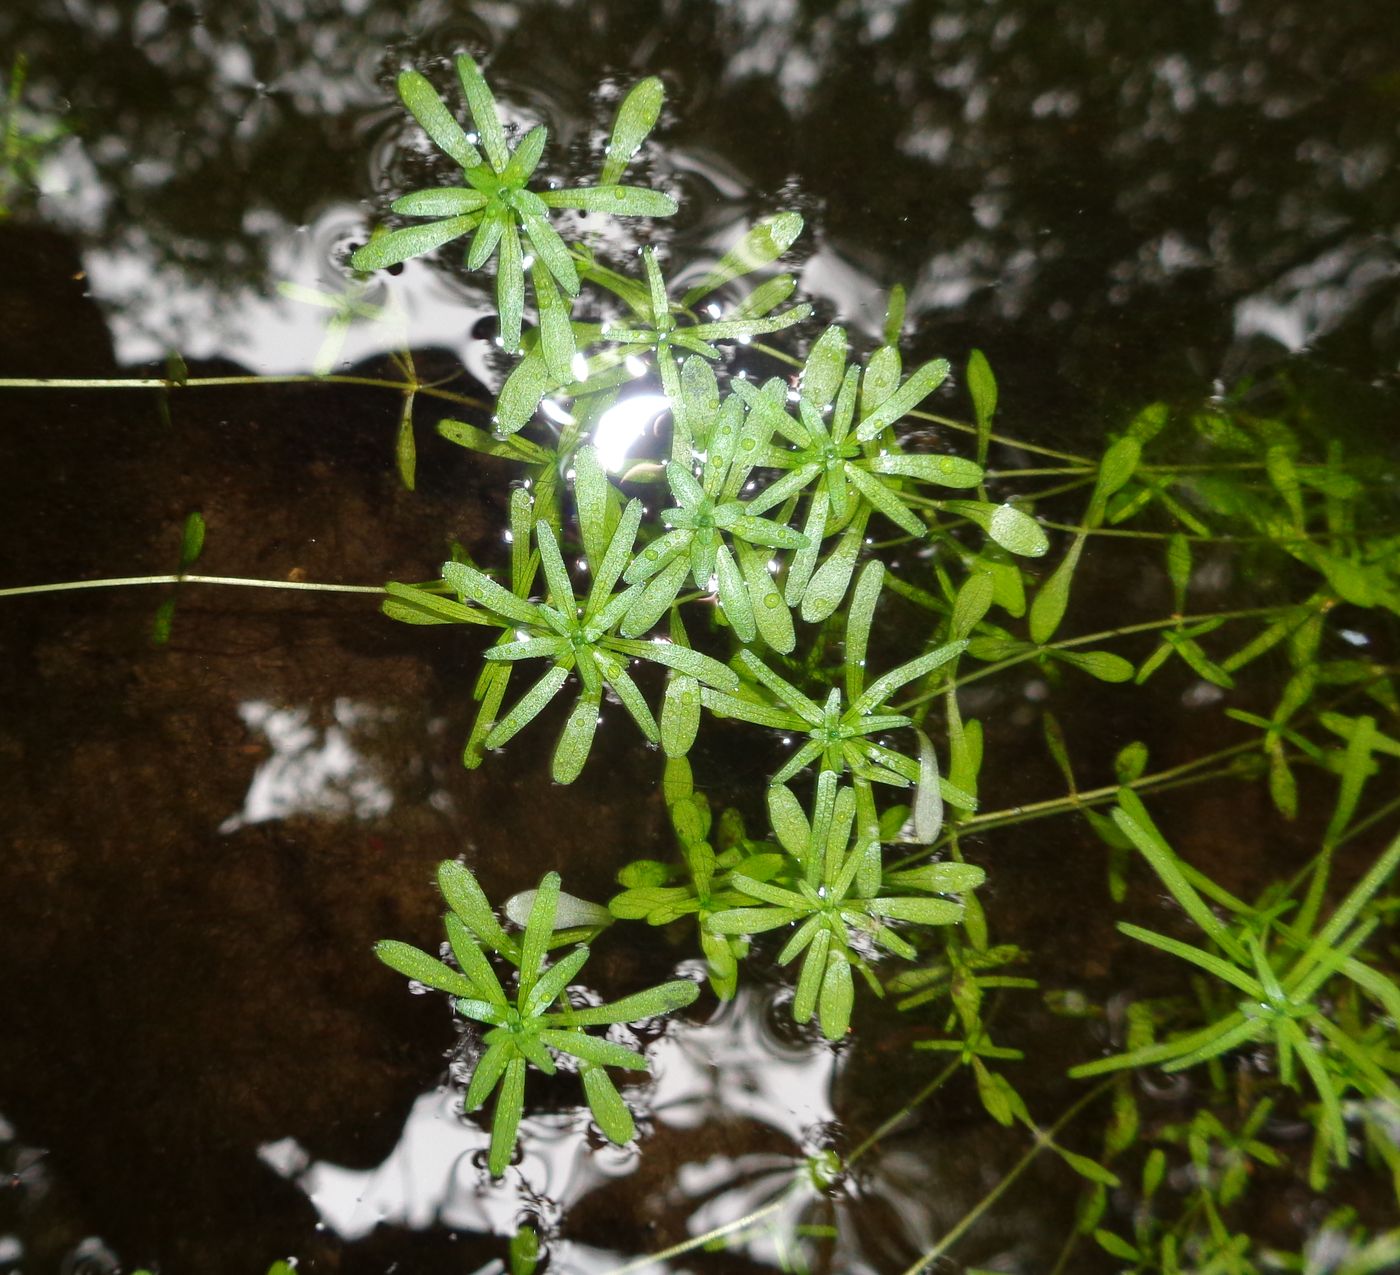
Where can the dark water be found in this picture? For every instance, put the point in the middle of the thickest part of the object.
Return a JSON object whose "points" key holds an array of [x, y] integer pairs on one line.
{"points": [[200, 1064]]}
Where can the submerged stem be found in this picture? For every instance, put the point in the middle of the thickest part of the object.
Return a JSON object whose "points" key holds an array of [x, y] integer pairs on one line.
{"points": [[207, 382], [117, 582], [969, 1219]]}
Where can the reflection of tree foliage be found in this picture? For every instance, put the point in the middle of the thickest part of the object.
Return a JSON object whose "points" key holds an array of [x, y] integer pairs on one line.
{"points": [[1122, 171]]}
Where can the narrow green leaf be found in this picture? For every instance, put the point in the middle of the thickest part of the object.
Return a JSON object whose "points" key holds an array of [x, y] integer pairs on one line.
{"points": [[921, 383], [1103, 665], [762, 244], [921, 911], [655, 600], [591, 490], [1132, 818], [539, 926], [556, 334], [576, 739], [809, 981], [827, 588], [1179, 568], [886, 500], [928, 799], [893, 326], [734, 597], [510, 1107], [425, 969], [884, 686], [1115, 469], [680, 714], [484, 114], [606, 1104], [405, 446], [510, 288], [1051, 599], [938, 878], [1223, 970], [485, 1075], [1086, 1167], [548, 247], [551, 984], [442, 201], [880, 378], [770, 612], [704, 668], [465, 897], [651, 1003], [619, 201], [1356, 768], [473, 961], [836, 997], [528, 707], [191, 540], [526, 157], [485, 592], [973, 601], [860, 615], [982, 385], [411, 241], [525, 387], [437, 121], [635, 119], [930, 467], [825, 367]]}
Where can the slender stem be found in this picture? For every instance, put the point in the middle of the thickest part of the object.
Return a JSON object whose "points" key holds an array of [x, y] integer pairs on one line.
{"points": [[887, 1125], [1096, 796], [969, 1219], [1130, 533], [719, 1232], [1127, 630], [117, 582], [1066, 1252], [206, 382]]}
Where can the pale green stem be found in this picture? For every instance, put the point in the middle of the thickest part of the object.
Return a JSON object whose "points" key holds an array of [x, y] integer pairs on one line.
{"points": [[1103, 635], [206, 382], [117, 582], [970, 1219], [719, 1232]]}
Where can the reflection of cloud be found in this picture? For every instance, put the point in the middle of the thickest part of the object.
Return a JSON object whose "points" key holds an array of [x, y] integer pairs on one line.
{"points": [[311, 771], [436, 1173], [730, 1070], [1310, 297], [735, 1068]]}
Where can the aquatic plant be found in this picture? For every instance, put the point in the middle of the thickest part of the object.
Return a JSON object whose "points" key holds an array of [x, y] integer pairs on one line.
{"points": [[539, 1022], [498, 205], [730, 569]]}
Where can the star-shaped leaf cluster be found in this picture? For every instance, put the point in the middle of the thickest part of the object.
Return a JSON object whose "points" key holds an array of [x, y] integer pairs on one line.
{"points": [[713, 538], [1283, 973], [839, 898], [843, 731], [537, 1023], [575, 634], [851, 466], [500, 211]]}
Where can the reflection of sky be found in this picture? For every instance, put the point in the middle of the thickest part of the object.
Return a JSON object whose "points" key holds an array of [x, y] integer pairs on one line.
{"points": [[729, 1070], [311, 770]]}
